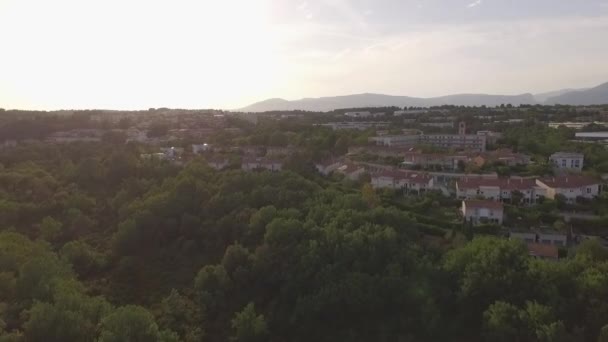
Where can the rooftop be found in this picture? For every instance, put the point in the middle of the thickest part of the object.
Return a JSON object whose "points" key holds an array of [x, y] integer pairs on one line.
{"points": [[569, 181], [567, 155], [544, 251], [503, 183]]}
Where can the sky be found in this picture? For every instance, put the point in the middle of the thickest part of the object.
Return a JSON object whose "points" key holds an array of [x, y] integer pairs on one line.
{"points": [[137, 54]]}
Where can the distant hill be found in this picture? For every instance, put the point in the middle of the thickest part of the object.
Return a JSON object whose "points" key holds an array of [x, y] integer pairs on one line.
{"points": [[324, 104], [543, 97], [592, 96]]}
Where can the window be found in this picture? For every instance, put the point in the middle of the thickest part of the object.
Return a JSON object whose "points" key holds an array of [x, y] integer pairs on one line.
{"points": [[588, 190]]}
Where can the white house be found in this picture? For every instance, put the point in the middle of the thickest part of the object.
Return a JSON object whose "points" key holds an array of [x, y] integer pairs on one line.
{"points": [[567, 161], [499, 189], [482, 211], [409, 181], [570, 186]]}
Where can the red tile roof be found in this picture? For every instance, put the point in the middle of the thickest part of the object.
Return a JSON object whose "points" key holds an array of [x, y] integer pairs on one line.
{"points": [[483, 204], [502, 183], [570, 181], [544, 251]]}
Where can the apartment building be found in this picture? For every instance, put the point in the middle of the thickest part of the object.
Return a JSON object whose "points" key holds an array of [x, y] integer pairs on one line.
{"points": [[567, 161]]}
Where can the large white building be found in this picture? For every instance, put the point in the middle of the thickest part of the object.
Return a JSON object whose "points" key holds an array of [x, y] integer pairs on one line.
{"points": [[460, 141], [568, 161], [406, 140]]}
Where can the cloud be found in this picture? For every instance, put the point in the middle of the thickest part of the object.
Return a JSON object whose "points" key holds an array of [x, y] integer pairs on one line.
{"points": [[475, 3]]}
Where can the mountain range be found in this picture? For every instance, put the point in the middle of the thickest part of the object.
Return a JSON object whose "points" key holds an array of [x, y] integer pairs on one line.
{"points": [[588, 96]]}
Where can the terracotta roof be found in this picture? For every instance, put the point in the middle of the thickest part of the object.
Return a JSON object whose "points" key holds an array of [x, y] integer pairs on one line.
{"points": [[483, 204], [502, 183], [541, 250], [570, 181]]}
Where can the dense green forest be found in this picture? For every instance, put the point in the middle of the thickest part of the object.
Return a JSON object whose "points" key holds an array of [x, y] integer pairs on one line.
{"points": [[98, 245]]}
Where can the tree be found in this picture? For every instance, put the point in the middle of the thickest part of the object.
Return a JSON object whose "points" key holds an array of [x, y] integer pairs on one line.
{"points": [[517, 197], [82, 256], [50, 229], [535, 322], [72, 317], [180, 314], [341, 146], [129, 324], [158, 129], [369, 195], [248, 326]]}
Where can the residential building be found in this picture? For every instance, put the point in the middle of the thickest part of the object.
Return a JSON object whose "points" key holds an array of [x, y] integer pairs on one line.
{"points": [[253, 151], [200, 148], [470, 142], [351, 171], [527, 237], [407, 140], [542, 237], [410, 112], [567, 161], [570, 186], [358, 125], [400, 180], [434, 160], [575, 125], [544, 252], [280, 151], [438, 124], [482, 211], [380, 151], [460, 141], [257, 163], [358, 114], [499, 189], [491, 137]]}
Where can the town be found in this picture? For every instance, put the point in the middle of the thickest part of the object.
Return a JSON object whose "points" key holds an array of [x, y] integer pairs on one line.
{"points": [[226, 205]]}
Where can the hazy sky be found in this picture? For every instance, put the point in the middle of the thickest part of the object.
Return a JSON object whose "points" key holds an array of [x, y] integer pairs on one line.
{"points": [[135, 54]]}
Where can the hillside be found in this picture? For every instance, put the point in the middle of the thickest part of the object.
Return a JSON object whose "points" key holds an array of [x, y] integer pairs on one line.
{"points": [[378, 100], [593, 96]]}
